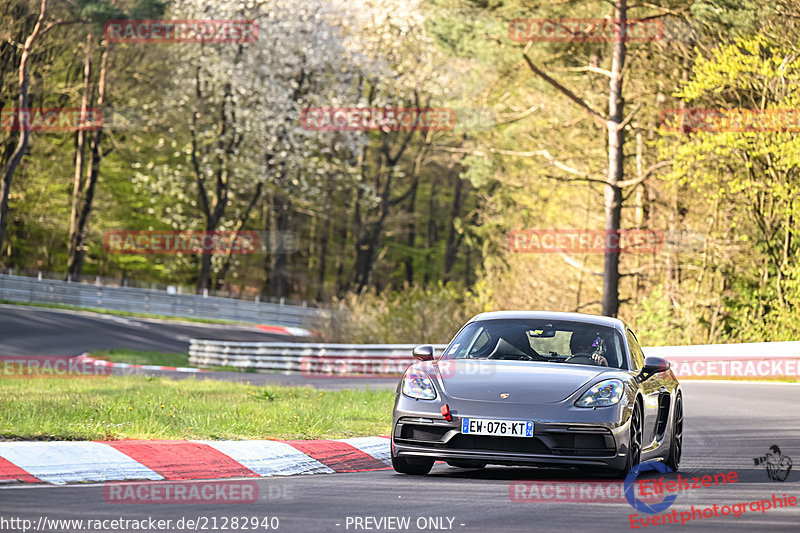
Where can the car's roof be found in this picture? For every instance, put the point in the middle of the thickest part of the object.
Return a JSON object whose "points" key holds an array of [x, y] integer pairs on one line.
{"points": [[553, 315]]}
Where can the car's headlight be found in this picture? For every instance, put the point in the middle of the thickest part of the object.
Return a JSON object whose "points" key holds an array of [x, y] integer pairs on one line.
{"points": [[417, 385], [603, 394]]}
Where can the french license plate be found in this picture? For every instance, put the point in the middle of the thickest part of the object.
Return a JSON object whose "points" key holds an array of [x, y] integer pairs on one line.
{"points": [[499, 428]]}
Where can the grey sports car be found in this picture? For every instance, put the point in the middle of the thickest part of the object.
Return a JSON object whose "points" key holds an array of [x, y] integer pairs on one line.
{"points": [[538, 389]]}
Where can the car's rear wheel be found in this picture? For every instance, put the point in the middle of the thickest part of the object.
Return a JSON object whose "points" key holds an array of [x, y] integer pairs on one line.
{"points": [[676, 444], [466, 464], [414, 467], [634, 455]]}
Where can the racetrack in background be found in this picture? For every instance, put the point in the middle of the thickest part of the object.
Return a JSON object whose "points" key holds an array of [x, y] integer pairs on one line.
{"points": [[43, 331]]}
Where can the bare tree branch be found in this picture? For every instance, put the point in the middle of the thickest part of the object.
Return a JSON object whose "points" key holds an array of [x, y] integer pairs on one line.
{"points": [[572, 262], [630, 115], [590, 68], [646, 174], [566, 92]]}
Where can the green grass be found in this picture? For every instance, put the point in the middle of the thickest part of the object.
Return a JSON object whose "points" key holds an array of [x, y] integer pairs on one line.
{"points": [[139, 407], [137, 357]]}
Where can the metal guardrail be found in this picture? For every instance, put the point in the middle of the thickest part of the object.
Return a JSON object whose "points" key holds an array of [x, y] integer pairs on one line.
{"points": [[756, 360], [47, 291], [305, 358]]}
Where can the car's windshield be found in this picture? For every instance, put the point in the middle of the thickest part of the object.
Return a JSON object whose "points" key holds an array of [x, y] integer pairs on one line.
{"points": [[539, 340]]}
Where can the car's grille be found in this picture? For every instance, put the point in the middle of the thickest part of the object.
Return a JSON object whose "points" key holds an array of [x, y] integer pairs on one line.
{"points": [[553, 440], [497, 444], [423, 432], [577, 443]]}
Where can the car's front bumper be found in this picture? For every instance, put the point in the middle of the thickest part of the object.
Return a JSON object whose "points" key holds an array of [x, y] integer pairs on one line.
{"points": [[551, 445]]}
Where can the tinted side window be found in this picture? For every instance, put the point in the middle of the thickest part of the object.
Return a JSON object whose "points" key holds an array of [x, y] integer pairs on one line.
{"points": [[636, 351]]}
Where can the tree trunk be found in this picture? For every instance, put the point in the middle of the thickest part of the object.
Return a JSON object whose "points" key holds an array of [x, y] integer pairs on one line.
{"points": [[204, 276], [341, 280], [324, 238], [411, 233], [24, 136], [219, 282], [616, 161], [431, 236], [78, 240], [451, 246], [411, 237], [212, 207], [80, 154], [279, 279]]}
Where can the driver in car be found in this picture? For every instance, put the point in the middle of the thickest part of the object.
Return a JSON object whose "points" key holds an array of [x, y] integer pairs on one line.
{"points": [[588, 343]]}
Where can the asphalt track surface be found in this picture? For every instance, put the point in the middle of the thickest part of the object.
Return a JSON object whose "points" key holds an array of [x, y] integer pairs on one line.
{"points": [[727, 425], [42, 331]]}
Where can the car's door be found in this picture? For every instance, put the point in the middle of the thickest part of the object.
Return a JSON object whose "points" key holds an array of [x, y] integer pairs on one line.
{"points": [[651, 389]]}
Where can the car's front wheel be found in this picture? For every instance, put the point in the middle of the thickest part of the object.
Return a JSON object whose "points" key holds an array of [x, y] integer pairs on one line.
{"points": [[634, 455], [414, 467], [676, 444]]}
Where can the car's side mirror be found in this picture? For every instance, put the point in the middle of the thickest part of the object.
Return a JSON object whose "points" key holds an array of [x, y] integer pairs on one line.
{"points": [[424, 352], [653, 365]]}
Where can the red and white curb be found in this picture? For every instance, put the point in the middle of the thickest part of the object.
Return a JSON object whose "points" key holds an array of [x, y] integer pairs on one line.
{"points": [[60, 462], [100, 362], [286, 330]]}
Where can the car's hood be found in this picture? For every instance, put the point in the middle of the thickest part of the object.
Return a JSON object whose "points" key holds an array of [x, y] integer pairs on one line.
{"points": [[524, 382]]}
